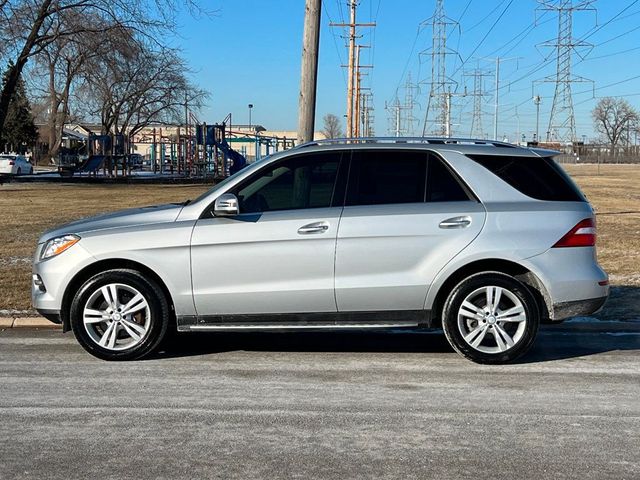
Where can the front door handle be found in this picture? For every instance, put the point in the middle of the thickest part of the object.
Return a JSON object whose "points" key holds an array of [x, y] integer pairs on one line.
{"points": [[315, 227], [456, 222]]}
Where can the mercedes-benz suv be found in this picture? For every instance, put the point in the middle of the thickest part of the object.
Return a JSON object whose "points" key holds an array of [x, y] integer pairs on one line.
{"points": [[484, 239]]}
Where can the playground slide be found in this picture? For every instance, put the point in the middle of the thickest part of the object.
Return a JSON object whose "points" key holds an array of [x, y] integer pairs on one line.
{"points": [[239, 162], [91, 164]]}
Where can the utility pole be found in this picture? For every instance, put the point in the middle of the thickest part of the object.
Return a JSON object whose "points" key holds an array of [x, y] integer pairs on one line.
{"points": [[537, 100], [309, 71], [447, 112], [562, 121], [496, 104], [351, 72], [357, 92], [496, 100]]}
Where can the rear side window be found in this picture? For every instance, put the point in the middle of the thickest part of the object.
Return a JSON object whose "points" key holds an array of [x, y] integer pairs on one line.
{"points": [[387, 177], [537, 177], [442, 186]]}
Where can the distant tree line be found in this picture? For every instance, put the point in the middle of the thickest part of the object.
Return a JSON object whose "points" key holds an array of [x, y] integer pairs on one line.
{"points": [[104, 61]]}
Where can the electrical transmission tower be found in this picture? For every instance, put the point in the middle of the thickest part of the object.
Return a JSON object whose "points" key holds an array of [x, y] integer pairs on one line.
{"points": [[401, 118], [440, 84], [562, 122], [367, 114], [477, 130]]}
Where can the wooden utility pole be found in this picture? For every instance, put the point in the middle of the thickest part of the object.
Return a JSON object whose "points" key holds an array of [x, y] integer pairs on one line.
{"points": [[357, 94], [351, 74], [309, 73]]}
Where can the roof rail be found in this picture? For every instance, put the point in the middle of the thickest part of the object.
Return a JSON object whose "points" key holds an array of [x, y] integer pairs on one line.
{"points": [[427, 140]]}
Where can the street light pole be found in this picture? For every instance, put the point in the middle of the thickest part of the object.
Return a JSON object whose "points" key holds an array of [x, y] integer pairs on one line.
{"points": [[250, 108]]}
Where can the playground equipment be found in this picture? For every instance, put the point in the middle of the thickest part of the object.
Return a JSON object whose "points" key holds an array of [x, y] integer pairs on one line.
{"points": [[214, 153], [107, 151]]}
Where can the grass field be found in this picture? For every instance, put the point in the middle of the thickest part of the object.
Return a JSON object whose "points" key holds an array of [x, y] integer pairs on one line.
{"points": [[26, 210]]}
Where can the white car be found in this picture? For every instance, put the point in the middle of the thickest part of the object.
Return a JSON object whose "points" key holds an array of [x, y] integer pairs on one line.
{"points": [[15, 165]]}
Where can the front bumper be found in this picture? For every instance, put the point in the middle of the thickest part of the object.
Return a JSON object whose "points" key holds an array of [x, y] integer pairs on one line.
{"points": [[55, 275], [51, 315]]}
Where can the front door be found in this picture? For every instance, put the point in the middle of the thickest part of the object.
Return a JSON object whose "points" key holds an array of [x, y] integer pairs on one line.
{"points": [[277, 255], [406, 215]]}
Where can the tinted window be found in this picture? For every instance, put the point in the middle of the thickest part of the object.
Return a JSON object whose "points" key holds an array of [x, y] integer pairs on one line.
{"points": [[386, 177], [442, 185], [540, 178], [305, 181]]}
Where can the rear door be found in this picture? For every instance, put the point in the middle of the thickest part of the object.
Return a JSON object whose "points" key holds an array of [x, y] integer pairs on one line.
{"points": [[406, 215]]}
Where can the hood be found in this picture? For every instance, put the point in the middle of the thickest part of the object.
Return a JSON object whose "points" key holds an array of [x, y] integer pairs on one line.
{"points": [[123, 218]]}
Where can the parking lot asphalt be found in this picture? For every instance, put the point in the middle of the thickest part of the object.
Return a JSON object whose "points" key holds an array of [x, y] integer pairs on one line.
{"points": [[310, 405]]}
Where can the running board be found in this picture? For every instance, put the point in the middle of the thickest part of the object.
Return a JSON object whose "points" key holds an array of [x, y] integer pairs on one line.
{"points": [[318, 326], [306, 321]]}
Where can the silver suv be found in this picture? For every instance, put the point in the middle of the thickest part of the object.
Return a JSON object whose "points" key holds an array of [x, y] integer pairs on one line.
{"points": [[484, 239]]}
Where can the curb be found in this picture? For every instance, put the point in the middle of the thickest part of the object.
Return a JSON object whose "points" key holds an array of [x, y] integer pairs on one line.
{"points": [[585, 325], [27, 322]]}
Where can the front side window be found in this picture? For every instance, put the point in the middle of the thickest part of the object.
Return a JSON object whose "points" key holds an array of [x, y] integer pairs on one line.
{"points": [[387, 177], [304, 181]]}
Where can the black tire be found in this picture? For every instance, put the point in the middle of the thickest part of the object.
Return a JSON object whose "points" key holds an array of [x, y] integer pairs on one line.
{"points": [[19, 171], [31, 171], [158, 309], [452, 328]]}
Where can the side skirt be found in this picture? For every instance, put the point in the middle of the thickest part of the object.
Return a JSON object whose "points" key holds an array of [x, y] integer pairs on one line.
{"points": [[293, 321]]}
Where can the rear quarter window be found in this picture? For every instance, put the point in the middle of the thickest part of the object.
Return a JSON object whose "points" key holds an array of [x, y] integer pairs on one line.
{"points": [[537, 177]]}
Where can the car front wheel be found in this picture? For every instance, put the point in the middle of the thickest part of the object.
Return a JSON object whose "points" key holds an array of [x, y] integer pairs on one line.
{"points": [[119, 315], [491, 318]]}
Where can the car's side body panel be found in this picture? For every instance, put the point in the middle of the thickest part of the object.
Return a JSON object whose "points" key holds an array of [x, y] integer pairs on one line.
{"points": [[387, 255], [261, 263]]}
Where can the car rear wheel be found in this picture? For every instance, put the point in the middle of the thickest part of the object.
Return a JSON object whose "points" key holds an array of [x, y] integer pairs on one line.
{"points": [[491, 318], [119, 315]]}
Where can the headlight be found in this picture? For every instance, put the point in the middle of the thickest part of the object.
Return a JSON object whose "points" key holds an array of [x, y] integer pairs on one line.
{"points": [[57, 245]]}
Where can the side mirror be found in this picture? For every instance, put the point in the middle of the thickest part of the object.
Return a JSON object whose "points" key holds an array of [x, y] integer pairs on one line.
{"points": [[226, 205]]}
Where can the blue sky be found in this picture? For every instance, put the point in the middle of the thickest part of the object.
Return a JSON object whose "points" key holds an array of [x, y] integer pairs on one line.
{"points": [[249, 52]]}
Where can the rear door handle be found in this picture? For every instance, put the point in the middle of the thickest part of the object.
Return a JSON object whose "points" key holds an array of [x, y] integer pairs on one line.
{"points": [[315, 227], [456, 222]]}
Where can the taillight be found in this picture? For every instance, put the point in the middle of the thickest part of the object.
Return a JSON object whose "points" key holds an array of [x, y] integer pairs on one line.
{"points": [[582, 235], [11, 162]]}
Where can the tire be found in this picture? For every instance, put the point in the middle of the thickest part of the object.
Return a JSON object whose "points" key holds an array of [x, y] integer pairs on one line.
{"points": [[111, 331], [31, 171], [473, 326], [19, 171]]}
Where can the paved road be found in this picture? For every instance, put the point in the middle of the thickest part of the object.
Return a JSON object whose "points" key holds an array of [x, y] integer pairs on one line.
{"points": [[344, 405]]}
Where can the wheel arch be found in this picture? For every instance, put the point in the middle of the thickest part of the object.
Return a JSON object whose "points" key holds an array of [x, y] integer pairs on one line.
{"points": [[103, 265], [500, 265]]}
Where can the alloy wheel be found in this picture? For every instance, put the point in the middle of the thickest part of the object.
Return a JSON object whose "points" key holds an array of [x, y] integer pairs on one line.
{"points": [[117, 316], [492, 319]]}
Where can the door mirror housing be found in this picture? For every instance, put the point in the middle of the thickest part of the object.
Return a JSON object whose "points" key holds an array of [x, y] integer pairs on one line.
{"points": [[226, 205]]}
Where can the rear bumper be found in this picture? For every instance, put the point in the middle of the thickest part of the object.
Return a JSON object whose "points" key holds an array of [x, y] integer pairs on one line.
{"points": [[578, 308]]}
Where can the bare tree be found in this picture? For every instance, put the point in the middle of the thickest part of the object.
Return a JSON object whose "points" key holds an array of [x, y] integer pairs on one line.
{"points": [[138, 85], [332, 127], [615, 118], [27, 27]]}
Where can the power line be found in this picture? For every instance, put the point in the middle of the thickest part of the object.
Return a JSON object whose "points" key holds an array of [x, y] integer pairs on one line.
{"points": [[485, 36]]}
